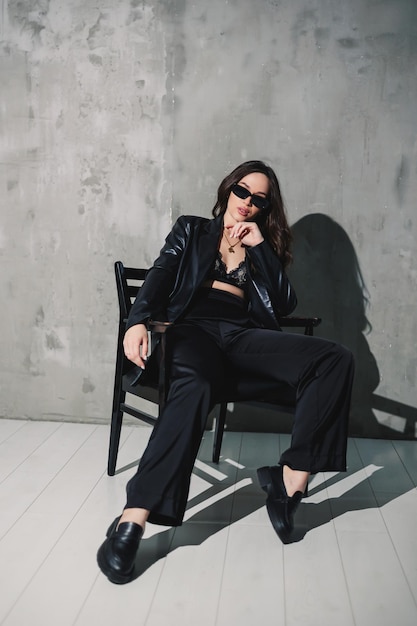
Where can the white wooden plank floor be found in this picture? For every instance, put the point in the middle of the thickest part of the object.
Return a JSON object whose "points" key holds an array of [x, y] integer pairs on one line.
{"points": [[355, 561]]}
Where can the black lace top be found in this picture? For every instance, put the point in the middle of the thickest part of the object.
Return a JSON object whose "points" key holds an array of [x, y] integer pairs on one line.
{"points": [[236, 277]]}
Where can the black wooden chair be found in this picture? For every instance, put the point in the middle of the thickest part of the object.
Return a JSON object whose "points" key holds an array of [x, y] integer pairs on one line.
{"points": [[153, 387]]}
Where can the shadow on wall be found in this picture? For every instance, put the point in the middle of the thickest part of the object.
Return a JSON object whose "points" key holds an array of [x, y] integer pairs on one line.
{"points": [[329, 284]]}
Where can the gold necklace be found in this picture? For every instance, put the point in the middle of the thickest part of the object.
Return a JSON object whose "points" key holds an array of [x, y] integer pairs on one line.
{"points": [[231, 246]]}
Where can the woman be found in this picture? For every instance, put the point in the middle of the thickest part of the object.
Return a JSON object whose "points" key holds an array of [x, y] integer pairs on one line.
{"points": [[222, 283]]}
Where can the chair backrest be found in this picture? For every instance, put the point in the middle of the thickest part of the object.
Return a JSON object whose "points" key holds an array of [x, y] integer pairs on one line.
{"points": [[128, 281]]}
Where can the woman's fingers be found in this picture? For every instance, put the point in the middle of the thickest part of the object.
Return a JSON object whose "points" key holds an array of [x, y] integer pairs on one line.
{"points": [[238, 230], [247, 232], [135, 344]]}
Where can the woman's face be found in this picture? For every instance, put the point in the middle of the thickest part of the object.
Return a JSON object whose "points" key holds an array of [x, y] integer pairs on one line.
{"points": [[243, 210]]}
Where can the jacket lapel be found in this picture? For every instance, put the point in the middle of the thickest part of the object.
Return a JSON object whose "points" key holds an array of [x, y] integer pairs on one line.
{"points": [[207, 247]]}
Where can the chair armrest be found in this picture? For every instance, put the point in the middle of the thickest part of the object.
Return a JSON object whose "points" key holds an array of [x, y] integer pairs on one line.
{"points": [[299, 321], [308, 323], [159, 327]]}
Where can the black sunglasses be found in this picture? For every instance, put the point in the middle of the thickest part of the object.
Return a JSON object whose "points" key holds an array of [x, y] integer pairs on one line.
{"points": [[259, 201]]}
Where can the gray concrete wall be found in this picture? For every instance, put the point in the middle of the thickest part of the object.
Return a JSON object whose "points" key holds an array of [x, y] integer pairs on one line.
{"points": [[118, 116]]}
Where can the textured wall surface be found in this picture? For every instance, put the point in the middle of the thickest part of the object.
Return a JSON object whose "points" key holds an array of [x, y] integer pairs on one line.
{"points": [[118, 116]]}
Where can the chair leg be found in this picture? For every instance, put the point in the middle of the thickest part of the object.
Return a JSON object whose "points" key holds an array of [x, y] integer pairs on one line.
{"points": [[115, 429], [218, 431]]}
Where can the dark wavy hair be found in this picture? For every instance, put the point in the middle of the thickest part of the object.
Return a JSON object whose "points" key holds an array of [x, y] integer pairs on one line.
{"points": [[273, 220]]}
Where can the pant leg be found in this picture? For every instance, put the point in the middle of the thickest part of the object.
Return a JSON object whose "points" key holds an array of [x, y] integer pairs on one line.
{"points": [[320, 372], [162, 481]]}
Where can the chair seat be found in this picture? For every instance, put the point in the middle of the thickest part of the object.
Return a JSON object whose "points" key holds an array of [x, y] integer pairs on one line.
{"points": [[148, 393]]}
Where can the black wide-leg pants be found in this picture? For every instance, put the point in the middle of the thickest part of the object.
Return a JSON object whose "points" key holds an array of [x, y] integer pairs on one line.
{"points": [[212, 359]]}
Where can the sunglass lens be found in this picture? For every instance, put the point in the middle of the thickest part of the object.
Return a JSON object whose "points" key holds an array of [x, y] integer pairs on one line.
{"points": [[259, 202], [240, 192]]}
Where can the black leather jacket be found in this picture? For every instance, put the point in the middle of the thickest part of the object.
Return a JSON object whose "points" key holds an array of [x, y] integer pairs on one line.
{"points": [[184, 263]]}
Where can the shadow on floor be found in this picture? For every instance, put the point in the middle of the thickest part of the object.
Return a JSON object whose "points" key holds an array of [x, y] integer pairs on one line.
{"points": [[358, 489]]}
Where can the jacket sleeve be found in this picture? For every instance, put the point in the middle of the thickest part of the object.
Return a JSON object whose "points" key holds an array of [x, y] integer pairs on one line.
{"points": [[269, 273], [153, 296]]}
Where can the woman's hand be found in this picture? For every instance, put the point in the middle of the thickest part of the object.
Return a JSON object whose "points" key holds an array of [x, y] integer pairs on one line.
{"points": [[248, 233], [135, 344]]}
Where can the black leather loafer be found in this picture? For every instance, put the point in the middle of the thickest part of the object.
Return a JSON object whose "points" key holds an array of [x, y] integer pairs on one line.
{"points": [[116, 556], [281, 508]]}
